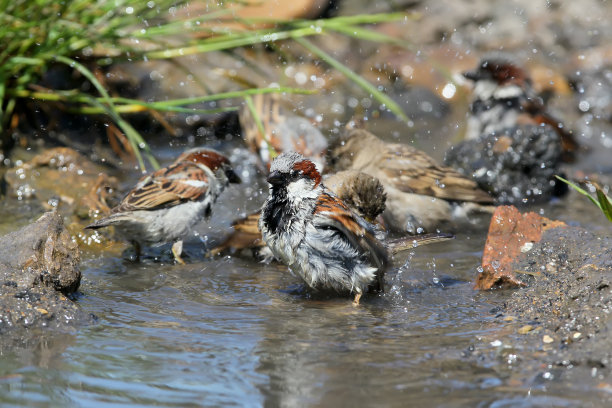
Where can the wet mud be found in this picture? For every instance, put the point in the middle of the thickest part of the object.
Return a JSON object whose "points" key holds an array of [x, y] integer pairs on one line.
{"points": [[39, 268], [562, 318]]}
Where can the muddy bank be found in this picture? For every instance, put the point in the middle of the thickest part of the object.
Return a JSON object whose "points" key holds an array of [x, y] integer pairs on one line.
{"points": [[39, 267], [562, 318]]}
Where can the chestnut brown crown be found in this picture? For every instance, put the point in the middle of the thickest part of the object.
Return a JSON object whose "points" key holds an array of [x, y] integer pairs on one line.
{"points": [[211, 159], [498, 69], [291, 166]]}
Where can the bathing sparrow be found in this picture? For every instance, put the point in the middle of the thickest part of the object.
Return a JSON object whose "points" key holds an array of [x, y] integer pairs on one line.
{"points": [[164, 205], [311, 230], [362, 193], [503, 98], [421, 194]]}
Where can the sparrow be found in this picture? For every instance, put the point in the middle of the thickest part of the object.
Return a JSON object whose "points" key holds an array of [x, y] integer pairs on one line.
{"points": [[421, 194], [513, 147], [282, 131], [503, 97], [164, 205], [316, 234], [362, 193]]}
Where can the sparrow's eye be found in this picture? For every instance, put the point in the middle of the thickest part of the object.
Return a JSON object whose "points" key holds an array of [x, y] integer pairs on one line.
{"points": [[294, 174]]}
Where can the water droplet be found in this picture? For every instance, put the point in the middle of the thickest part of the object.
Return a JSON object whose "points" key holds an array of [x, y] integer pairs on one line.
{"points": [[449, 91]]}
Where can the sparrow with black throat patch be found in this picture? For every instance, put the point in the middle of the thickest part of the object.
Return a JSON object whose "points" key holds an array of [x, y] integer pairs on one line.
{"points": [[363, 194], [503, 97], [513, 146]]}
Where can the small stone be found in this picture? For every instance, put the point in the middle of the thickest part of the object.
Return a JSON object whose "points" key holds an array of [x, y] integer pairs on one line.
{"points": [[577, 335], [525, 329], [547, 339], [42, 311], [526, 247], [509, 318]]}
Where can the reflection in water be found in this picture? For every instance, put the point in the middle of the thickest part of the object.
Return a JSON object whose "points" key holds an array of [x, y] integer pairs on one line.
{"points": [[35, 349], [329, 353]]}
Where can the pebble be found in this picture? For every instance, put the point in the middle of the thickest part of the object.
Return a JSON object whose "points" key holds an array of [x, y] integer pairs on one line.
{"points": [[547, 339], [525, 329]]}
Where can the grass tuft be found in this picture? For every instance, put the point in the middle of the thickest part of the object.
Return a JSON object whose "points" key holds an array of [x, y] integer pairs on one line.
{"points": [[603, 202], [85, 35]]}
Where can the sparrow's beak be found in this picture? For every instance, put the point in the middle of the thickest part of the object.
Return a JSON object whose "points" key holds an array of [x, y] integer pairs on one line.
{"points": [[276, 178], [471, 75], [232, 177]]}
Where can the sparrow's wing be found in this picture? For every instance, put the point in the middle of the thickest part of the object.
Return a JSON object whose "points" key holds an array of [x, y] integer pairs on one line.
{"points": [[331, 213], [167, 187], [410, 170], [248, 224]]}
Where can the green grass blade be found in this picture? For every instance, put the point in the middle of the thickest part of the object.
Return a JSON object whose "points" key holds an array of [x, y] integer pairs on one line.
{"points": [[133, 136], [368, 87], [128, 105], [370, 35], [605, 204], [215, 97], [2, 112], [232, 41], [367, 18], [139, 108], [580, 190]]}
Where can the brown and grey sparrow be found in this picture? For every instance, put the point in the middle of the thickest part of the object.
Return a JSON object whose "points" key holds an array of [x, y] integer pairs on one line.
{"points": [[503, 97], [421, 194], [513, 147], [166, 204], [363, 194]]}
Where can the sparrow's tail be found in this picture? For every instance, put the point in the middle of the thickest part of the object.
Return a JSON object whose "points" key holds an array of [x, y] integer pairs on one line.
{"points": [[408, 243]]}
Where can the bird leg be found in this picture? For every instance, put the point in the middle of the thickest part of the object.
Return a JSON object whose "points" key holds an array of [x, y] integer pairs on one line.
{"points": [[136, 245], [177, 250], [356, 300]]}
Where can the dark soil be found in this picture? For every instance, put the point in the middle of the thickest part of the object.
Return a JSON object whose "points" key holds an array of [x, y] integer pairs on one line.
{"points": [[563, 316]]}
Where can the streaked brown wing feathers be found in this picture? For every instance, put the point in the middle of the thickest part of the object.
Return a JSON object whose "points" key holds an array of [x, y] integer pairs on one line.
{"points": [[409, 170], [248, 224], [338, 216], [166, 187]]}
